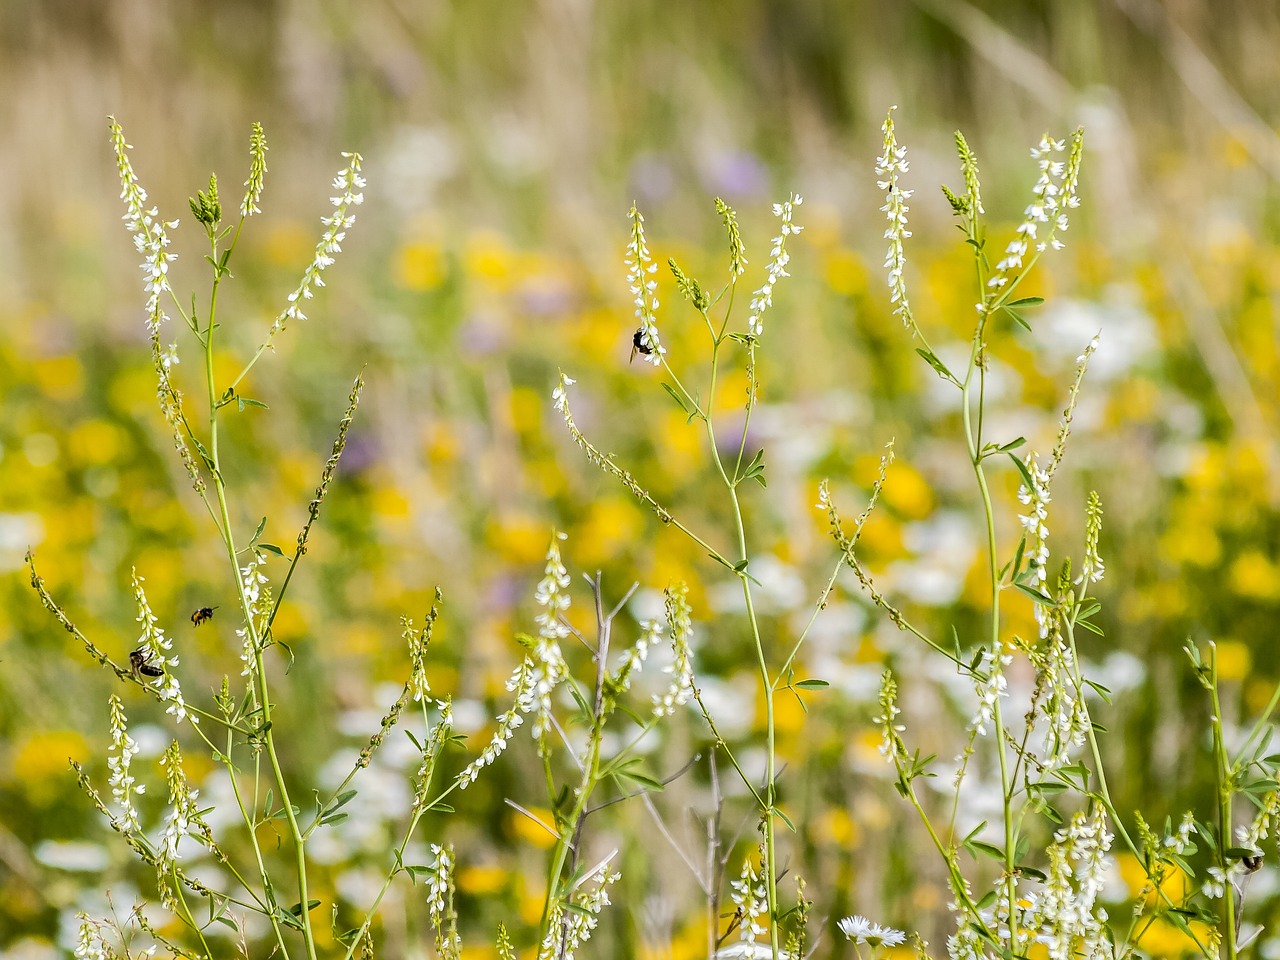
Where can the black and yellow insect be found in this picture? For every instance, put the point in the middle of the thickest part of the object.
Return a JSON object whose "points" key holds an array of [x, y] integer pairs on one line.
{"points": [[203, 614], [141, 664], [638, 344]]}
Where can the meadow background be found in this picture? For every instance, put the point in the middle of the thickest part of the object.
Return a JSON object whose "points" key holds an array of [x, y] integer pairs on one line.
{"points": [[504, 143]]}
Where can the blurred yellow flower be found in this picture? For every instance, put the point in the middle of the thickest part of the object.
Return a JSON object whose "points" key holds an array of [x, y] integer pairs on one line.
{"points": [[481, 881], [59, 378], [679, 443], [1162, 939], [390, 503], [488, 260], [43, 755], [845, 272], [133, 391], [1253, 575], [96, 442], [521, 539], [527, 408], [836, 828], [420, 266], [610, 524], [1191, 542], [1234, 659], [290, 244]]}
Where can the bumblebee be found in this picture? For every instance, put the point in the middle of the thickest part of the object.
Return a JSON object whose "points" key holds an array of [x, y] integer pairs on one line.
{"points": [[201, 615], [638, 345], [142, 664]]}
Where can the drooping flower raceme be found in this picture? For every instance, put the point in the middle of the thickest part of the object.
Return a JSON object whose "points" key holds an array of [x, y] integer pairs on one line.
{"points": [[1035, 522], [122, 780], [539, 673], [153, 648], [348, 182], [778, 260], [257, 171], [679, 618], [1053, 195], [888, 166], [644, 290], [150, 233]]}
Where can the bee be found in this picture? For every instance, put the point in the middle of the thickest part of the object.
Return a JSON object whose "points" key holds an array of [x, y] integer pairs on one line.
{"points": [[638, 345], [201, 615], [141, 664]]}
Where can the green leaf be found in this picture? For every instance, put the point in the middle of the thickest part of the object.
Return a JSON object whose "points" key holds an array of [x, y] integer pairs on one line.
{"points": [[1047, 786], [741, 565], [1012, 445], [939, 367], [785, 819], [334, 818], [273, 549], [1022, 469], [1018, 319], [679, 398], [1026, 302], [987, 849], [811, 684], [1035, 595]]}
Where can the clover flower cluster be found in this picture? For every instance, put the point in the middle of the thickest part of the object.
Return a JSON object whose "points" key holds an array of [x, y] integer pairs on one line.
{"points": [[568, 930], [640, 268], [891, 745], [1035, 522], [418, 641], [778, 260], [154, 647], [257, 596], [1053, 195], [150, 233], [1092, 568], [679, 618], [888, 166], [633, 659], [348, 181], [737, 252], [440, 901], [861, 930], [257, 172], [751, 897], [122, 780], [1066, 910], [184, 817], [989, 684], [1068, 720]]}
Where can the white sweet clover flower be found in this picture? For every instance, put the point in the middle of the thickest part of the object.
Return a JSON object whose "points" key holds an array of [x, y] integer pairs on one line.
{"points": [[1180, 839], [1035, 523], [989, 688], [861, 930], [439, 736], [150, 233], [538, 674], [752, 899], [90, 944], [418, 641], [560, 396], [1068, 721], [1066, 912], [1259, 828], [257, 171], [1092, 569], [634, 657], [888, 166], [644, 289], [573, 928], [1216, 885], [154, 647], [1053, 194], [123, 784], [348, 182], [679, 619], [891, 745], [778, 260], [169, 357], [254, 582], [438, 883], [183, 819]]}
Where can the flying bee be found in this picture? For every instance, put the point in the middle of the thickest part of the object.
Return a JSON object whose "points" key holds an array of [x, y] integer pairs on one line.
{"points": [[141, 664], [638, 345], [203, 614]]}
